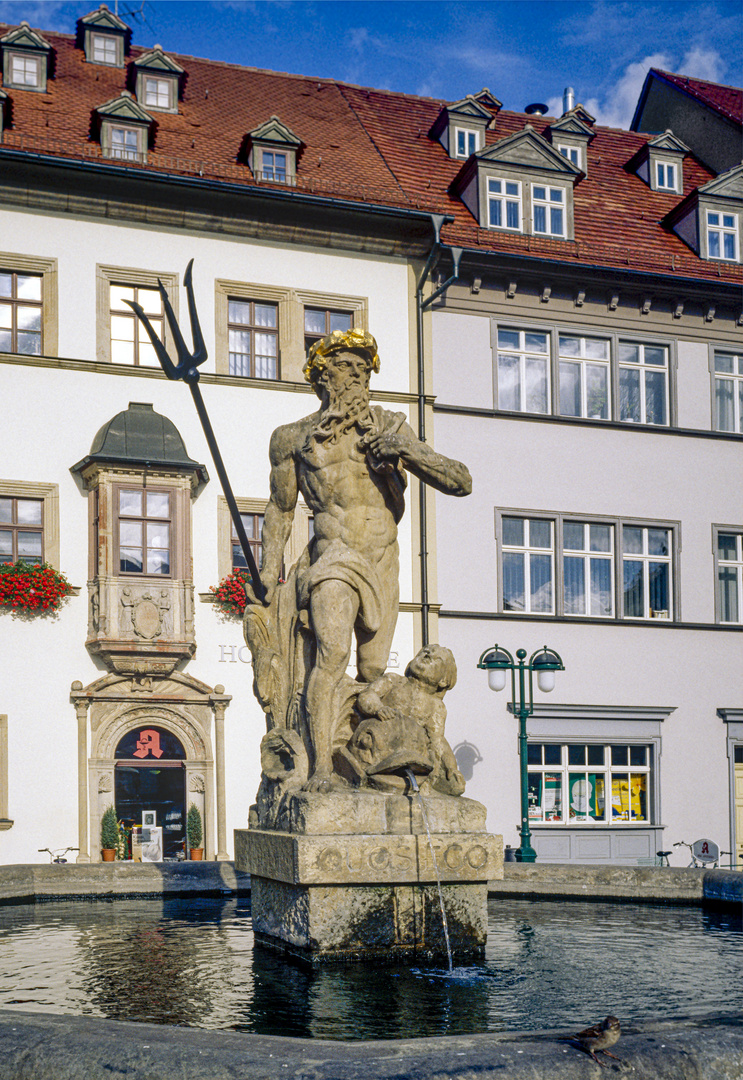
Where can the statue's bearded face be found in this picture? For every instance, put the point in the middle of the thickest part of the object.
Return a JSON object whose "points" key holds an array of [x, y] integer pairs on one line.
{"points": [[343, 384]]}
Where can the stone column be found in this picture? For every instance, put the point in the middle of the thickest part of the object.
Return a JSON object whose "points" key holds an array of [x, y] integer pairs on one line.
{"points": [[81, 710], [219, 705]]}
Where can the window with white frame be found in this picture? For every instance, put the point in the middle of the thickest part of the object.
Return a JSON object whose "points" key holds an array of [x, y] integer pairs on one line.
{"points": [[253, 338], [523, 370], [572, 153], [584, 377], [467, 142], [589, 783], [124, 143], [273, 166], [665, 176], [646, 572], [722, 236], [548, 210], [25, 70], [504, 204], [562, 565], [157, 92], [528, 565], [588, 569], [729, 573], [105, 49], [728, 378], [643, 383]]}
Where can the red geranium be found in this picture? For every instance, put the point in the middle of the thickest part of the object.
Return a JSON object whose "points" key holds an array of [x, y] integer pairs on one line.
{"points": [[230, 596], [32, 588]]}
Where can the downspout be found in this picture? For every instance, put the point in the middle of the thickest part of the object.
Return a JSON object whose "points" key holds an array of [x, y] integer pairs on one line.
{"points": [[437, 220]]}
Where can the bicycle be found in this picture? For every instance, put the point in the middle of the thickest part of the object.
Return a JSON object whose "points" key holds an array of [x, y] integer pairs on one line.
{"points": [[703, 852], [58, 854]]}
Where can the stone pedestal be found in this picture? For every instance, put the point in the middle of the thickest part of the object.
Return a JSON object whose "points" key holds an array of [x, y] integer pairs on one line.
{"points": [[351, 876]]}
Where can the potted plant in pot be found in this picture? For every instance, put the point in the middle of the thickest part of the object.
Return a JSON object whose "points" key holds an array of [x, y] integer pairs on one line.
{"points": [[109, 834], [195, 832]]}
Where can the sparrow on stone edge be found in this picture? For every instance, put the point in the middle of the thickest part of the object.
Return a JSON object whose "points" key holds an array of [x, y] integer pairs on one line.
{"points": [[599, 1037]]}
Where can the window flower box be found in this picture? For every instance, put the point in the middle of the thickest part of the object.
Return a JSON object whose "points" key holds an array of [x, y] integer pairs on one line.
{"points": [[32, 589]]}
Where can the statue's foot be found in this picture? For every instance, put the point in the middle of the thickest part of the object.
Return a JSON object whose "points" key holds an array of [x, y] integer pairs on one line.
{"points": [[320, 781]]}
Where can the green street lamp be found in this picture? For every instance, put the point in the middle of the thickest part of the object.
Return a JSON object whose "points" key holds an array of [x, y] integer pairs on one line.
{"points": [[545, 662]]}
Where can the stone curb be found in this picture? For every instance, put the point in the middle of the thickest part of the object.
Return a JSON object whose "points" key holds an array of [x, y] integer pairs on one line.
{"points": [[36, 1046]]}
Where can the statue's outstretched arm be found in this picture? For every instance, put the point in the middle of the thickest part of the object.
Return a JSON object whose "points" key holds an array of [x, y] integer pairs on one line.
{"points": [[443, 473]]}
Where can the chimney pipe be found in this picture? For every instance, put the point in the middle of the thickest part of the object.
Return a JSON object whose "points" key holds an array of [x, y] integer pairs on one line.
{"points": [[537, 109], [568, 99]]}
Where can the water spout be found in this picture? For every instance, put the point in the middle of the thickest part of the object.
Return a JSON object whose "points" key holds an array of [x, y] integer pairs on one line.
{"points": [[417, 790]]}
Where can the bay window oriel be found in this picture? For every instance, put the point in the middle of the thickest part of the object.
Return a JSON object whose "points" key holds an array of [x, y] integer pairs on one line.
{"points": [[569, 566]]}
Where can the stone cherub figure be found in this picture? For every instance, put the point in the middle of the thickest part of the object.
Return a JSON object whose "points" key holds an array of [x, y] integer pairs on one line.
{"points": [[348, 460], [404, 727]]}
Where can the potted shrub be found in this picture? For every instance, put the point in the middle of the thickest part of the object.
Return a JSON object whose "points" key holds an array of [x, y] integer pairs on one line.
{"points": [[109, 834], [195, 832]]}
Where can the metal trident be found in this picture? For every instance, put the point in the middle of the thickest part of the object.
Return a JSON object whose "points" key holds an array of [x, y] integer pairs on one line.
{"points": [[187, 370]]}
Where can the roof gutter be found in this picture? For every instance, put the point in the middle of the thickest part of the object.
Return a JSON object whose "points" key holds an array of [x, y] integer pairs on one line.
{"points": [[290, 194]]}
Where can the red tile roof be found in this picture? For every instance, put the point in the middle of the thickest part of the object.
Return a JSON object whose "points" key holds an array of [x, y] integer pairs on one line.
{"points": [[726, 100], [362, 145]]}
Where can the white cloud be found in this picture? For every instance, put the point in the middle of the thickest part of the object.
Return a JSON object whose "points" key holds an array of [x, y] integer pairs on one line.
{"points": [[701, 63], [44, 13]]}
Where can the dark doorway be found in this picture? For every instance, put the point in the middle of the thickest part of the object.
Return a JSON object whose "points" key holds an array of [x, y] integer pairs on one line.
{"points": [[150, 776]]}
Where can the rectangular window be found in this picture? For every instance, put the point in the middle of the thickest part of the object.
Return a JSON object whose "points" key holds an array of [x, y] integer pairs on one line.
{"points": [[467, 142], [319, 322], [728, 391], [588, 569], [584, 377], [643, 383], [157, 92], [528, 566], [523, 370], [722, 236], [21, 530], [25, 70], [548, 210], [665, 176], [130, 343], [20, 313], [729, 569], [589, 784], [504, 204], [104, 49], [567, 567], [646, 572], [144, 522], [253, 524], [253, 338], [572, 153], [125, 143], [273, 166]]}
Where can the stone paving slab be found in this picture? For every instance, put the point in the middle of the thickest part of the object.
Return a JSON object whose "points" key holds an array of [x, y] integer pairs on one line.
{"points": [[36, 1046]]}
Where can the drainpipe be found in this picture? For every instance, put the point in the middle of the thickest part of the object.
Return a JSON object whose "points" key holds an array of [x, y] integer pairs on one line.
{"points": [[437, 220]]}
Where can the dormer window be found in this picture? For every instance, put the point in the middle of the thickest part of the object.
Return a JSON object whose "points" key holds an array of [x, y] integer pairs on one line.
{"points": [[572, 153], [158, 80], [504, 204], [468, 142], [660, 163], [548, 210], [124, 128], [273, 152], [104, 49], [571, 135], [722, 236], [25, 59], [104, 37]]}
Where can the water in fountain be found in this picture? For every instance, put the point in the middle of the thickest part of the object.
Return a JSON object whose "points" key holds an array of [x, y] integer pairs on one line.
{"points": [[417, 790]]}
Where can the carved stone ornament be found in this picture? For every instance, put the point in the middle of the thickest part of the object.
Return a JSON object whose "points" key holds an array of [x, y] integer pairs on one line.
{"points": [[196, 783], [105, 783]]}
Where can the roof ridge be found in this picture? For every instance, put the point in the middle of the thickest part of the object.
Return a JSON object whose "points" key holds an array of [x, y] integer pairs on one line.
{"points": [[695, 78]]}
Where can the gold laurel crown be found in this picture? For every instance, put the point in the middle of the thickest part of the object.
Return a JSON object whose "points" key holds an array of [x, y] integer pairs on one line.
{"points": [[337, 341]]}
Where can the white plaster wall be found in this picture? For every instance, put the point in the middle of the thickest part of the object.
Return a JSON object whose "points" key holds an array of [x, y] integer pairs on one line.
{"points": [[462, 360], [694, 385], [55, 415]]}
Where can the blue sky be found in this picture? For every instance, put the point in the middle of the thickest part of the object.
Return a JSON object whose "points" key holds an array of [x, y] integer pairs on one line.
{"points": [[523, 50]]}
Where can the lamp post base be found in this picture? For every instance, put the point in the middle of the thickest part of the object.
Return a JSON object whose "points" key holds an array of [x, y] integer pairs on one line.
{"points": [[526, 854]]}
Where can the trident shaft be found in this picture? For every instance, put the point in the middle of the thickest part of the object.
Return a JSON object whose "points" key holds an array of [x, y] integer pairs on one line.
{"points": [[187, 370]]}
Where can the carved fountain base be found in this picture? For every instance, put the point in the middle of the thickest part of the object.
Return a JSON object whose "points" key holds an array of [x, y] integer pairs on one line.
{"points": [[350, 875]]}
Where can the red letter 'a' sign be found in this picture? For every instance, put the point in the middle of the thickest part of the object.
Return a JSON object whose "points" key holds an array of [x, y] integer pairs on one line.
{"points": [[705, 848], [148, 743]]}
